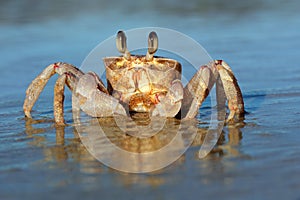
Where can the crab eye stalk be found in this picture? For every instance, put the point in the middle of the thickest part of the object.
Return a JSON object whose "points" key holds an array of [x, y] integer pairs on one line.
{"points": [[152, 45], [122, 45]]}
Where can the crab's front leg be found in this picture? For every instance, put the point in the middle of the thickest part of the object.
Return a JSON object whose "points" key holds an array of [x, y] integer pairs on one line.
{"points": [[199, 86], [91, 96]]}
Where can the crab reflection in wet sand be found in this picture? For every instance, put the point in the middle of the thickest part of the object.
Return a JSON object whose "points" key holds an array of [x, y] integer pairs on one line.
{"points": [[137, 84]]}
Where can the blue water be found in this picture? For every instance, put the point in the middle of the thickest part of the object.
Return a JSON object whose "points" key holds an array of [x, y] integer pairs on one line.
{"points": [[258, 160]]}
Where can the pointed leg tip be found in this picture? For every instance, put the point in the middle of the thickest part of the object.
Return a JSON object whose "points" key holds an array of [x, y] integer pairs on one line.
{"points": [[235, 118], [27, 114]]}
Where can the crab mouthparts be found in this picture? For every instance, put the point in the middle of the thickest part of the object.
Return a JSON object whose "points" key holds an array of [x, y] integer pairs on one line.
{"points": [[142, 102]]}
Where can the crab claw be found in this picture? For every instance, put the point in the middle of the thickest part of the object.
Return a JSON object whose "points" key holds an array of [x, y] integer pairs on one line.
{"points": [[122, 45], [152, 45], [169, 105]]}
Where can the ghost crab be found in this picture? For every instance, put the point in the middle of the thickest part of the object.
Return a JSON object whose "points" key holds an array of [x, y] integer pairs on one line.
{"points": [[137, 83]]}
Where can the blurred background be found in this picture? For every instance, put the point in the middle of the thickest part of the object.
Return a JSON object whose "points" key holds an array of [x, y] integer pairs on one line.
{"points": [[259, 39]]}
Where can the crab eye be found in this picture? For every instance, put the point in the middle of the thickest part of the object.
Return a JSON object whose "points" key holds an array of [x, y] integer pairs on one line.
{"points": [[122, 45], [152, 45], [121, 42], [152, 42]]}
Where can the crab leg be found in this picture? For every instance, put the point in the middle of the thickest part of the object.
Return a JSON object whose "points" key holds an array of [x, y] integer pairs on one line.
{"points": [[35, 88], [232, 91], [199, 86], [37, 85], [58, 105], [196, 91], [71, 81], [89, 93]]}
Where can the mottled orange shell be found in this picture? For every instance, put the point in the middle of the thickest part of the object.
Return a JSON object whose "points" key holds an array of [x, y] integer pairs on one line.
{"points": [[128, 78]]}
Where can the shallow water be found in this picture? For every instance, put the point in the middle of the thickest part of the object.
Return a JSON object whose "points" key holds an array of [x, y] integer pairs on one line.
{"points": [[259, 159]]}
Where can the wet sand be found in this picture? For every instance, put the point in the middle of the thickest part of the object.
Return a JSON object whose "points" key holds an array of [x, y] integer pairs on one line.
{"points": [[257, 159]]}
